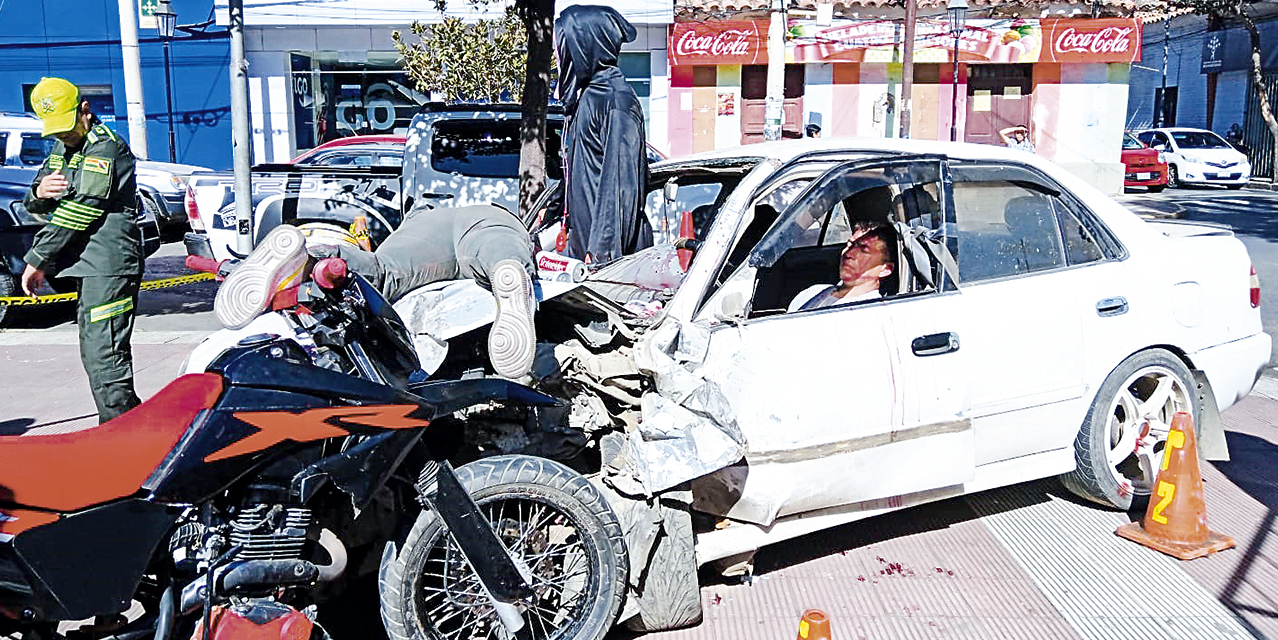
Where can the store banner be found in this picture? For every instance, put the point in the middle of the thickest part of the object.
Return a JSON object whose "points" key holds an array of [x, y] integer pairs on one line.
{"points": [[715, 43], [981, 41], [1100, 40]]}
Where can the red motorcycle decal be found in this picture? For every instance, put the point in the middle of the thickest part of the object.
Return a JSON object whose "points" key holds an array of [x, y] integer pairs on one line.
{"points": [[275, 427]]}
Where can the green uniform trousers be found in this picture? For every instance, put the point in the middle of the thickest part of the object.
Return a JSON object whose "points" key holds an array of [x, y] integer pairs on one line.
{"points": [[105, 318]]}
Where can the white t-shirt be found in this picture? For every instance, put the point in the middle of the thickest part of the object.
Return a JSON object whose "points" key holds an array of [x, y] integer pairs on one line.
{"points": [[819, 296]]}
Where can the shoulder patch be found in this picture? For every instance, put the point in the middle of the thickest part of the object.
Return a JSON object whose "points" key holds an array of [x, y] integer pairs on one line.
{"points": [[55, 162], [97, 165]]}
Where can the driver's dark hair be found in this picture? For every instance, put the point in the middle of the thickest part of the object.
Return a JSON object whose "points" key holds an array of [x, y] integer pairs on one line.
{"points": [[887, 233]]}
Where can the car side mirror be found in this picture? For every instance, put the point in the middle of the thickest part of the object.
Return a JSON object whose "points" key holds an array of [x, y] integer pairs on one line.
{"points": [[671, 191], [731, 308]]}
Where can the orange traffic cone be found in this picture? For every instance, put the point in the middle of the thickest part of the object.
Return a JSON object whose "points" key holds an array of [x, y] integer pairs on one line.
{"points": [[1176, 520], [686, 230], [814, 625]]}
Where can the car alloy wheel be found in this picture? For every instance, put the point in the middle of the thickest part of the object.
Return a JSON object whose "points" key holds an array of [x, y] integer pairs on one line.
{"points": [[1173, 176], [1140, 416], [1118, 446]]}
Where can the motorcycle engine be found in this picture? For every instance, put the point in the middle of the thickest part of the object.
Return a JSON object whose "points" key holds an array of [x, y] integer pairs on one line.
{"points": [[270, 532]]}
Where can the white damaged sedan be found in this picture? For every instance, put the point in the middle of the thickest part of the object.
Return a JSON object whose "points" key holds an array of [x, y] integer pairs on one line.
{"points": [[1033, 327]]}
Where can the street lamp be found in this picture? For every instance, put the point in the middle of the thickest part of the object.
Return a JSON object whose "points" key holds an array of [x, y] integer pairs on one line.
{"points": [[957, 10], [166, 18]]}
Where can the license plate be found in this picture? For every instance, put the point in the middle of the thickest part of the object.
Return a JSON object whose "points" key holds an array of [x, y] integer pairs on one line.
{"points": [[1144, 176]]}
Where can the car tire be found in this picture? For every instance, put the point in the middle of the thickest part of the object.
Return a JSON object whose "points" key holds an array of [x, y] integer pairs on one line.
{"points": [[1157, 188], [669, 594], [1234, 187], [8, 287], [1173, 176], [1154, 382], [573, 508]]}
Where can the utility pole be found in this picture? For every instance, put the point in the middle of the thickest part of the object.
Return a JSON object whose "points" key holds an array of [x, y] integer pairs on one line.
{"points": [[133, 78], [774, 104], [1161, 117], [240, 157], [907, 66]]}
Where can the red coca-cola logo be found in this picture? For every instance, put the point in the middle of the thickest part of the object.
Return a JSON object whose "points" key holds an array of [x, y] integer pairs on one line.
{"points": [[730, 42], [547, 263], [1107, 40]]}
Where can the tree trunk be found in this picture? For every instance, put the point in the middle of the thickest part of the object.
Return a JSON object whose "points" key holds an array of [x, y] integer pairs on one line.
{"points": [[1257, 81], [538, 17]]}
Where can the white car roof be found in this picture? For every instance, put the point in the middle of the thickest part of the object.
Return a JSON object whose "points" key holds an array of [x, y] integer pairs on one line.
{"points": [[785, 150]]}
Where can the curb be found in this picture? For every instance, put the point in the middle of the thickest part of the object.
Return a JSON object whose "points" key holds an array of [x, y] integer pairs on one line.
{"points": [[1262, 185]]}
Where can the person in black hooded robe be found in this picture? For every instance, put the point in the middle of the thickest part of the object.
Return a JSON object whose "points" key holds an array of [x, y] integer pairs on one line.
{"points": [[605, 159]]}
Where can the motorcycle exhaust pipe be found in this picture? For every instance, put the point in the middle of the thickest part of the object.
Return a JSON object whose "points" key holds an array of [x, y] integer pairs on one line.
{"points": [[337, 554], [248, 575]]}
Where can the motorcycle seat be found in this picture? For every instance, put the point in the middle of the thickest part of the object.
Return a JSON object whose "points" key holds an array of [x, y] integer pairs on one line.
{"points": [[71, 471]]}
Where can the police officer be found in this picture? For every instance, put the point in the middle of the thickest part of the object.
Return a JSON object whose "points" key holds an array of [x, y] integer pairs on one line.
{"points": [[86, 188]]}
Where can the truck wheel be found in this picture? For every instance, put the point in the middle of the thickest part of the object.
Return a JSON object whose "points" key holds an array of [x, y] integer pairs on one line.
{"points": [[1117, 452], [552, 520], [669, 596]]}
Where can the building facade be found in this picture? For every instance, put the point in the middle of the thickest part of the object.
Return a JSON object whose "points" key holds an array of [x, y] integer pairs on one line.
{"points": [[1064, 77], [323, 70], [1196, 73], [80, 40]]}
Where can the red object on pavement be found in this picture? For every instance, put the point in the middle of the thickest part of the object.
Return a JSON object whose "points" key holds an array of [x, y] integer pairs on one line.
{"points": [[686, 230], [231, 624], [330, 273]]}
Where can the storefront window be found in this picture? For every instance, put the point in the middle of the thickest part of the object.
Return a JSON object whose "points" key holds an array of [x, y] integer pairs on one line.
{"points": [[340, 94]]}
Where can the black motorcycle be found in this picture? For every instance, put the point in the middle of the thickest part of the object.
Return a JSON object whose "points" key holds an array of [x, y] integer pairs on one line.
{"points": [[247, 496]]}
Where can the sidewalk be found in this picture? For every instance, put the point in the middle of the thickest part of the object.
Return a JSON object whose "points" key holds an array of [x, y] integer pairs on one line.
{"points": [[1024, 562], [1266, 184]]}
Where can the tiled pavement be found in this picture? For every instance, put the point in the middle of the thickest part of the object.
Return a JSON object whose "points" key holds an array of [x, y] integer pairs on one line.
{"points": [[1021, 562]]}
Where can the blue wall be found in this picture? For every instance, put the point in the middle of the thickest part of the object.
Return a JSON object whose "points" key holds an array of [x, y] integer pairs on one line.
{"points": [[33, 39]]}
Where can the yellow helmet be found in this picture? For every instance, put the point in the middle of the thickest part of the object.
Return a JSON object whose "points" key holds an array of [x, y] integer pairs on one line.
{"points": [[327, 233]]}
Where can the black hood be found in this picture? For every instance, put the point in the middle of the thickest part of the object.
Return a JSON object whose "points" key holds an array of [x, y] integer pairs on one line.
{"points": [[588, 39]]}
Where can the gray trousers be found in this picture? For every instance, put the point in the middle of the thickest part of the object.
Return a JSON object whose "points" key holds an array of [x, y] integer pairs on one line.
{"points": [[432, 245]]}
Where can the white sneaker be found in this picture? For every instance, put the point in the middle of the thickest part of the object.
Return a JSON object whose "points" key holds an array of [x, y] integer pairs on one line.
{"points": [[512, 342], [274, 265]]}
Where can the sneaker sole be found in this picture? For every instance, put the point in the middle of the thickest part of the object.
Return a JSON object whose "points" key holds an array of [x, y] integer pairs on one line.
{"points": [[248, 290], [512, 342]]}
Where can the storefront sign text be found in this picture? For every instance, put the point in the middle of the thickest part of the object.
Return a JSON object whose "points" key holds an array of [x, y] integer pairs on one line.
{"points": [[1102, 40], [714, 43]]}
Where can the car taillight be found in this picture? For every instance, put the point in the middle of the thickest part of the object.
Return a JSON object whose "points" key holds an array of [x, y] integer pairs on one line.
{"points": [[192, 210], [1255, 288]]}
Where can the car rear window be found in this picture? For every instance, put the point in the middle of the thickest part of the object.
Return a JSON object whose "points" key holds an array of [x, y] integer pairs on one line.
{"points": [[34, 149], [487, 148]]}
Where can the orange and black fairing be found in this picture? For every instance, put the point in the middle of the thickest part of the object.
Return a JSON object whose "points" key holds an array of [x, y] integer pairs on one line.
{"points": [[69, 471]]}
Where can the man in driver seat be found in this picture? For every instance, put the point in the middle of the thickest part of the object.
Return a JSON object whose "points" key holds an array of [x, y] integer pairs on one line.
{"points": [[868, 258]]}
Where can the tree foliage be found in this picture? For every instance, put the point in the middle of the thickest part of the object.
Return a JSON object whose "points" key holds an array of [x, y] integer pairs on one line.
{"points": [[480, 62]]}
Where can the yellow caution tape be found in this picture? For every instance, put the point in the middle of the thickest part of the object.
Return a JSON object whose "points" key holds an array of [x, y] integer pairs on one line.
{"points": [[149, 285]]}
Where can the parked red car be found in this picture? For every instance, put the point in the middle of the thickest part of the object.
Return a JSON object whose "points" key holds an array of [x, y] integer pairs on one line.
{"points": [[1142, 166]]}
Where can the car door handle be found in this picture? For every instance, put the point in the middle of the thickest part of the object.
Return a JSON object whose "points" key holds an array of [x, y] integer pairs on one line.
{"points": [[935, 344], [1115, 306]]}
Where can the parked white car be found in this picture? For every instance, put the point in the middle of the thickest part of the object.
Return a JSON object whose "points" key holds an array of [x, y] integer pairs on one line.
{"points": [[1035, 327], [1198, 156]]}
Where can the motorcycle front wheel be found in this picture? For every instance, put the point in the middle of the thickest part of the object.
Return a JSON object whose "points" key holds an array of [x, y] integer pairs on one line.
{"points": [[552, 520]]}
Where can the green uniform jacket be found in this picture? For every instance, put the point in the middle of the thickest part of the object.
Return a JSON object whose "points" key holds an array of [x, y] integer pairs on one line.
{"points": [[92, 230]]}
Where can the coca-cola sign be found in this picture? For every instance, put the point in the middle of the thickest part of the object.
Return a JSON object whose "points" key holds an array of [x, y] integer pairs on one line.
{"points": [[713, 43], [1103, 40]]}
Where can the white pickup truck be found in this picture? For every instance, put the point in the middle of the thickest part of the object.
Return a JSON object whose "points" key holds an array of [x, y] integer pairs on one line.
{"points": [[457, 155]]}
